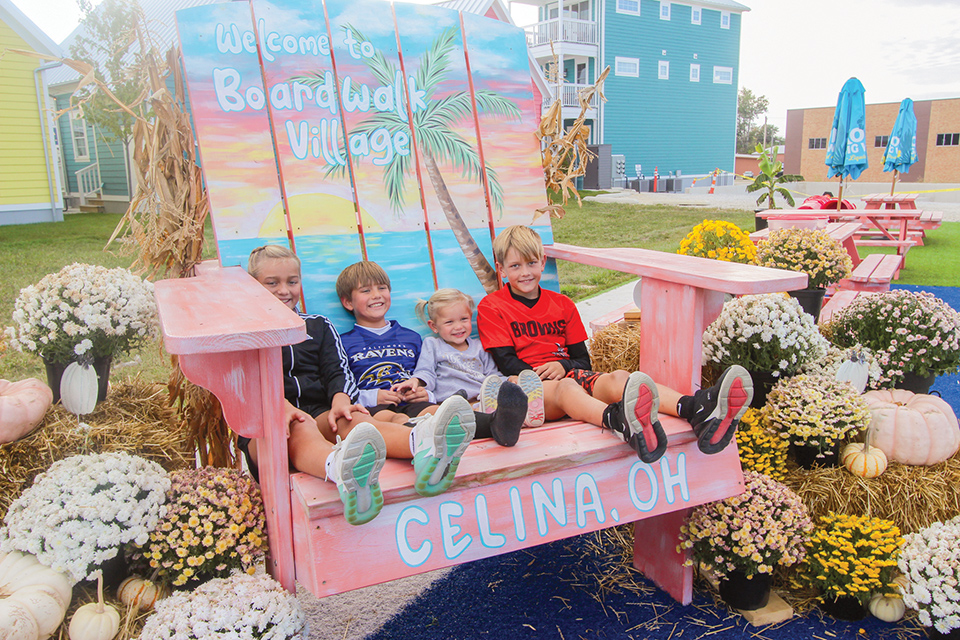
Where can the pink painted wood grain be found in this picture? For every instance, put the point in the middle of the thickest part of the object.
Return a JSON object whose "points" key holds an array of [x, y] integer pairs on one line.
{"points": [[560, 453], [728, 277], [483, 505]]}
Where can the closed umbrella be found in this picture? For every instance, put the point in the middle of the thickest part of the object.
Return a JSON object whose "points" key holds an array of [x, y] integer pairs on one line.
{"points": [[901, 151], [847, 151]]}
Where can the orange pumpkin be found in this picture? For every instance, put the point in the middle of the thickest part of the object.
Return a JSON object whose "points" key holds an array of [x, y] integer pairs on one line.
{"points": [[916, 429], [22, 406]]}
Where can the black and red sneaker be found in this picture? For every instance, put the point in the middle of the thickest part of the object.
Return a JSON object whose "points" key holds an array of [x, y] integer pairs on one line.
{"points": [[634, 418], [717, 410]]}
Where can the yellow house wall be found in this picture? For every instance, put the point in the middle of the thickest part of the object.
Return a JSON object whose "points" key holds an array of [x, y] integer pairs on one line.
{"points": [[23, 170], [943, 163]]}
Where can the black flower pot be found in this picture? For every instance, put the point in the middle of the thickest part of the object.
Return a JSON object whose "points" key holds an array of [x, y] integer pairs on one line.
{"points": [[811, 300], [806, 456], [933, 634], [917, 384], [55, 373], [844, 608], [746, 594], [763, 381]]}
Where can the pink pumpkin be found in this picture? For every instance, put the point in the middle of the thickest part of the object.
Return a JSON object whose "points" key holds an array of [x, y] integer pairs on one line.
{"points": [[22, 406], [913, 428]]}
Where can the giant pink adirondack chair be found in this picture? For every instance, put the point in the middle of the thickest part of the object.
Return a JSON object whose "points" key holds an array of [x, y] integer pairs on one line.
{"points": [[404, 134]]}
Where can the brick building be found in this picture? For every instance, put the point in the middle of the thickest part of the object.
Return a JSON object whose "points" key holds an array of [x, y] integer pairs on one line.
{"points": [[938, 141]]}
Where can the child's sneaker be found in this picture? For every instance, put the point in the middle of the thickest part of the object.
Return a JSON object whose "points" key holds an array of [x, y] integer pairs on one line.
{"points": [[717, 410], [531, 384], [355, 464], [437, 444], [489, 391], [634, 418]]}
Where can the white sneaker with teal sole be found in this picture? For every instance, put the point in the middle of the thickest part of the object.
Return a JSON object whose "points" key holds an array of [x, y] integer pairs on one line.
{"points": [[355, 464], [437, 444]]}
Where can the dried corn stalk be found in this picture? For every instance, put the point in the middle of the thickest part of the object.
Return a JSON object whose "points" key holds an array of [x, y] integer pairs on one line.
{"points": [[163, 225], [565, 154]]}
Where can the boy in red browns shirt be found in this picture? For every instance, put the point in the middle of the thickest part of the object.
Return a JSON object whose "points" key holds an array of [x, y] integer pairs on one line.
{"points": [[525, 327]]}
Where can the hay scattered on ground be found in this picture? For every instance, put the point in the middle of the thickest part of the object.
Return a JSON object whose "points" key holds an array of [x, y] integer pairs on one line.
{"points": [[134, 418], [912, 497], [616, 346]]}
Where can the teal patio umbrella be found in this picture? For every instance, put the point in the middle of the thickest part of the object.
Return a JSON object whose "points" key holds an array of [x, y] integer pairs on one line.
{"points": [[847, 150], [901, 151]]}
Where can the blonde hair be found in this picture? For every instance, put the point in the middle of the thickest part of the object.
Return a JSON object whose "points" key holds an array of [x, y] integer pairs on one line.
{"points": [[269, 252], [360, 274], [440, 300], [525, 240]]}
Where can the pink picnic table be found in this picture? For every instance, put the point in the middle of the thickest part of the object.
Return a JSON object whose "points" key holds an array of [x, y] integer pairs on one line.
{"points": [[890, 201]]}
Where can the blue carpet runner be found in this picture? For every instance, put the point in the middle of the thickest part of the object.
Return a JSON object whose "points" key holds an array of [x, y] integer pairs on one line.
{"points": [[550, 592]]}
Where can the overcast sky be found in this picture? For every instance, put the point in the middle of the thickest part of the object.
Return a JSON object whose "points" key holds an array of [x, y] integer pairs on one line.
{"points": [[796, 53]]}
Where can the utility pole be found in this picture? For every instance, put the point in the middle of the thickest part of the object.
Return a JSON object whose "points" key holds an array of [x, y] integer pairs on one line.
{"points": [[765, 133]]}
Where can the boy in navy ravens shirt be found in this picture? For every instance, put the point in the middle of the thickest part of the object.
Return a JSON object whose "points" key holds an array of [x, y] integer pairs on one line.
{"points": [[382, 354]]}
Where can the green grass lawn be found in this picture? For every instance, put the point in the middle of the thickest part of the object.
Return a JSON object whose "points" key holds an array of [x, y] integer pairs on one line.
{"points": [[29, 252]]}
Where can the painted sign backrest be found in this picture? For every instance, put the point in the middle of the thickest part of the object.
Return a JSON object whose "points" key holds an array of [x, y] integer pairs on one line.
{"points": [[359, 129]]}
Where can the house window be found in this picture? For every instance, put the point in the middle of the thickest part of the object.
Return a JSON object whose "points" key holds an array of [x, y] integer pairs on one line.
{"points": [[948, 139], [694, 73], [627, 67], [629, 6], [818, 143], [664, 10], [579, 11], [78, 131], [581, 74], [723, 75], [724, 19], [881, 141], [695, 15], [663, 70]]}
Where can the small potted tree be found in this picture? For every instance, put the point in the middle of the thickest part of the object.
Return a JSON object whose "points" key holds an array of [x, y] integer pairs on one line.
{"points": [[770, 176]]}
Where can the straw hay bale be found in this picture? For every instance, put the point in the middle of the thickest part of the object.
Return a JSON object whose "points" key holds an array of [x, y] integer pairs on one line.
{"points": [[912, 497], [134, 418], [616, 346]]}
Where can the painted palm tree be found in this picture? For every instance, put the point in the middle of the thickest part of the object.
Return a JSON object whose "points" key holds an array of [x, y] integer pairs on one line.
{"points": [[436, 140]]}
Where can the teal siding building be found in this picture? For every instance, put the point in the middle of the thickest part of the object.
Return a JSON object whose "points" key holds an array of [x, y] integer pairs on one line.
{"points": [[672, 87]]}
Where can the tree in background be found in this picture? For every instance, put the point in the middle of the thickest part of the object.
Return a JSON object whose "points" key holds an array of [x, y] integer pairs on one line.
{"points": [[110, 45], [750, 108]]}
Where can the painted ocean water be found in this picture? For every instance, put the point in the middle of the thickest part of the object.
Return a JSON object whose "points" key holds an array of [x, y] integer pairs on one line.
{"points": [[403, 255]]}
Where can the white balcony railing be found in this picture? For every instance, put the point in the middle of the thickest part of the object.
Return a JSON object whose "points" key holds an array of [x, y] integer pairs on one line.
{"points": [[575, 31], [88, 182], [568, 96]]}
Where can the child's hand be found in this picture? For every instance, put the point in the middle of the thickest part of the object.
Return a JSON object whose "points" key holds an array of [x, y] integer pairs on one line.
{"points": [[291, 414], [406, 387], [341, 407], [550, 371], [417, 395], [388, 396]]}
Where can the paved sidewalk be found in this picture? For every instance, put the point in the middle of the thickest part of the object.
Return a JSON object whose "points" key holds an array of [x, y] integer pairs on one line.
{"points": [[736, 197]]}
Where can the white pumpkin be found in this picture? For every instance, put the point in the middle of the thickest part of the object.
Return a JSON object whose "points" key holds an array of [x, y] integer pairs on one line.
{"points": [[856, 371], [887, 608], [862, 460], [33, 597], [139, 592], [79, 389], [94, 621], [911, 428], [22, 407]]}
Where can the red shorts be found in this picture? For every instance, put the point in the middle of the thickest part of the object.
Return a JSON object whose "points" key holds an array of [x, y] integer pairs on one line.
{"points": [[585, 378]]}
